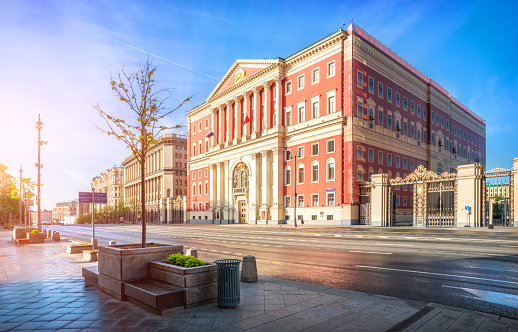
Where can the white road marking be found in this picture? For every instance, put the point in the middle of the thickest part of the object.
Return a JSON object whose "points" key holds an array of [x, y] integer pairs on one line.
{"points": [[225, 252], [233, 242], [266, 245], [493, 297], [213, 250], [238, 254], [394, 244], [371, 252], [436, 274], [279, 246], [338, 235]]}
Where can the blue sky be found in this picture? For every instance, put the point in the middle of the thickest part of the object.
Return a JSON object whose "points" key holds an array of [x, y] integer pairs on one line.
{"points": [[55, 58]]}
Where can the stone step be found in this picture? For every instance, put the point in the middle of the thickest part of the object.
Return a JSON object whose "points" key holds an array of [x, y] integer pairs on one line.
{"points": [[22, 241], [91, 275], [156, 296]]}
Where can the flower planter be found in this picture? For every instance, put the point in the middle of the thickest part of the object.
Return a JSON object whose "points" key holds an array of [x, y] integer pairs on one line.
{"points": [[90, 256], [36, 237], [127, 262], [77, 249], [199, 283]]}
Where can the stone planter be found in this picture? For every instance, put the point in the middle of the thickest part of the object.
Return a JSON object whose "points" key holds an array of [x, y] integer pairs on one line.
{"points": [[199, 283], [90, 256], [77, 249], [127, 262], [36, 237]]}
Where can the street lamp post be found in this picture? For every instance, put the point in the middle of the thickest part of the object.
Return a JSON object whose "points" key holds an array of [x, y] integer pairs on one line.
{"points": [[39, 125], [94, 240]]}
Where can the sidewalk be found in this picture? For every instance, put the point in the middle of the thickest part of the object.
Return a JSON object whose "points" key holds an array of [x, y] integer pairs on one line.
{"points": [[41, 288]]}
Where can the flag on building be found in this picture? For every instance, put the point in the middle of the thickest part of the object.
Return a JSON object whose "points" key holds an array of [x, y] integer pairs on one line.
{"points": [[210, 134], [247, 119]]}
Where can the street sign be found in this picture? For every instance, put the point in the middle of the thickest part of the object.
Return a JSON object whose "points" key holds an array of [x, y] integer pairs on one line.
{"points": [[99, 198]]}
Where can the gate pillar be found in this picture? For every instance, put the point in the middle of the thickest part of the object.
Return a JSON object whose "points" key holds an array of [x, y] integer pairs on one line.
{"points": [[380, 202], [513, 220], [469, 193]]}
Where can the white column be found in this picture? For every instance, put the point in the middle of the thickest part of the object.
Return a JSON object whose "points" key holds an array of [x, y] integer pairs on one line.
{"points": [[213, 185], [237, 118], [213, 127], [218, 186], [267, 86], [229, 122], [266, 168], [278, 91], [256, 109], [246, 111], [225, 178], [220, 125], [252, 190], [277, 185]]}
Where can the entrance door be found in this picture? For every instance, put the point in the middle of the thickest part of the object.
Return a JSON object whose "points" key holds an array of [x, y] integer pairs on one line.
{"points": [[242, 212]]}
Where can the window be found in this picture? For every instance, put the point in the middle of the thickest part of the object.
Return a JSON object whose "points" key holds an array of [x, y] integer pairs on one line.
{"points": [[371, 114], [301, 114], [287, 87], [405, 163], [455, 130], [397, 162], [412, 164], [447, 125], [380, 90], [360, 79], [330, 169], [194, 175], [206, 123], [287, 120], [194, 189], [300, 82], [287, 201], [300, 174], [300, 200], [389, 94], [405, 103], [330, 146], [389, 121], [424, 113], [433, 138], [442, 122], [380, 157], [287, 175], [389, 159], [360, 153], [404, 201], [331, 104], [437, 119], [329, 217], [314, 149], [199, 174], [397, 99], [405, 129], [380, 118], [397, 200], [300, 151], [412, 131], [288, 155], [199, 189], [419, 110], [206, 187], [314, 200], [419, 135], [194, 149], [360, 109], [330, 199], [314, 172], [194, 129], [331, 69], [313, 217], [315, 110], [412, 107], [360, 174], [315, 75], [371, 155], [371, 84]]}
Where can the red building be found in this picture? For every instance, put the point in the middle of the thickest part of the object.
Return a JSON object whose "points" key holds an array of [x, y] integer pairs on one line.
{"points": [[347, 106]]}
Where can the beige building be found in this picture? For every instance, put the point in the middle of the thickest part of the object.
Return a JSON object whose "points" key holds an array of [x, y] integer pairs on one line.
{"points": [[4, 177], [166, 177], [64, 209], [46, 216], [109, 182]]}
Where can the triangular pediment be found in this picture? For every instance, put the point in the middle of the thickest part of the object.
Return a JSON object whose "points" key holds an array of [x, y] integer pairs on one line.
{"points": [[240, 71]]}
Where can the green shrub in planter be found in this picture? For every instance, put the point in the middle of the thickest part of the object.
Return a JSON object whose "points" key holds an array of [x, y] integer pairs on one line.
{"points": [[185, 261], [35, 231]]}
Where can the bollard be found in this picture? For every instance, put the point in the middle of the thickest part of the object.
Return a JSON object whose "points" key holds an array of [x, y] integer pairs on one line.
{"points": [[249, 270], [55, 236], [191, 252], [112, 243]]}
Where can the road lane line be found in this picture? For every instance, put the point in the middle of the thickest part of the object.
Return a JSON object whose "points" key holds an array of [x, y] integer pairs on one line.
{"points": [[488, 296], [371, 252], [238, 254], [435, 274], [225, 252]]}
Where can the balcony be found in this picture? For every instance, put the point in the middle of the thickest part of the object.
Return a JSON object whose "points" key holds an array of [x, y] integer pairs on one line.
{"points": [[242, 190]]}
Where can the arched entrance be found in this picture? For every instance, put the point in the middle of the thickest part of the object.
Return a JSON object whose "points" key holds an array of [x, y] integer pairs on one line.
{"points": [[240, 178]]}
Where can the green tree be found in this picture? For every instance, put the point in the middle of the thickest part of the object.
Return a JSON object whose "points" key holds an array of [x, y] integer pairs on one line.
{"points": [[8, 206], [140, 131], [23, 190]]}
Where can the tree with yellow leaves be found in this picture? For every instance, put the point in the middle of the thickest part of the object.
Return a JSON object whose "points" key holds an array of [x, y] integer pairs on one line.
{"points": [[147, 104]]}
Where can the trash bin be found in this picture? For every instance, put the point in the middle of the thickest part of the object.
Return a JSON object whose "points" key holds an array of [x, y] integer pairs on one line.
{"points": [[228, 282]]}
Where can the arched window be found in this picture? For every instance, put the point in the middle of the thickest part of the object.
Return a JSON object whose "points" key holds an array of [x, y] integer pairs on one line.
{"points": [[300, 174], [371, 114], [242, 179], [199, 188], [314, 171], [360, 172], [389, 174], [287, 175], [439, 168], [330, 169], [194, 189], [371, 172], [206, 187]]}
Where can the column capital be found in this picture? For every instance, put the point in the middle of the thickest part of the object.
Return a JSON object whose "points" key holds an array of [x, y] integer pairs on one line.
{"points": [[278, 151], [237, 99], [228, 103], [253, 156], [246, 94], [264, 153], [226, 162], [267, 84], [213, 110], [256, 89], [278, 79]]}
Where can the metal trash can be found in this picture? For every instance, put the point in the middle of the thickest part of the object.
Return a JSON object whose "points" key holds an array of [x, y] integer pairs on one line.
{"points": [[228, 282]]}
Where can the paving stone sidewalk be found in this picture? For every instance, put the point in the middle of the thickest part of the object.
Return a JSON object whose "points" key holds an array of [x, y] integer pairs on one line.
{"points": [[41, 289]]}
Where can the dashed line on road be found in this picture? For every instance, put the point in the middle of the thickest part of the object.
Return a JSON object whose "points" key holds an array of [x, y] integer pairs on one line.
{"points": [[225, 252], [238, 254]]}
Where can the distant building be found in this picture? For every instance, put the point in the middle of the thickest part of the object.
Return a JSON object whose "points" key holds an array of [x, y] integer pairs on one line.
{"points": [[64, 209], [46, 216], [109, 182], [166, 176]]}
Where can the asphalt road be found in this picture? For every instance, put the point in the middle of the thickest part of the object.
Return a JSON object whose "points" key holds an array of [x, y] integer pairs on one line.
{"points": [[474, 269]]}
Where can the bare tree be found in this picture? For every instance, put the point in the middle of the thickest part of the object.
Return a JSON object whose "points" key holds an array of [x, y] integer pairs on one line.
{"points": [[141, 131]]}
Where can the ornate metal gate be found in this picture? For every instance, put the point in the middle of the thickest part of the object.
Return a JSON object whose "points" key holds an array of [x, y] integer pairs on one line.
{"points": [[177, 211], [365, 203], [498, 198], [434, 197]]}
